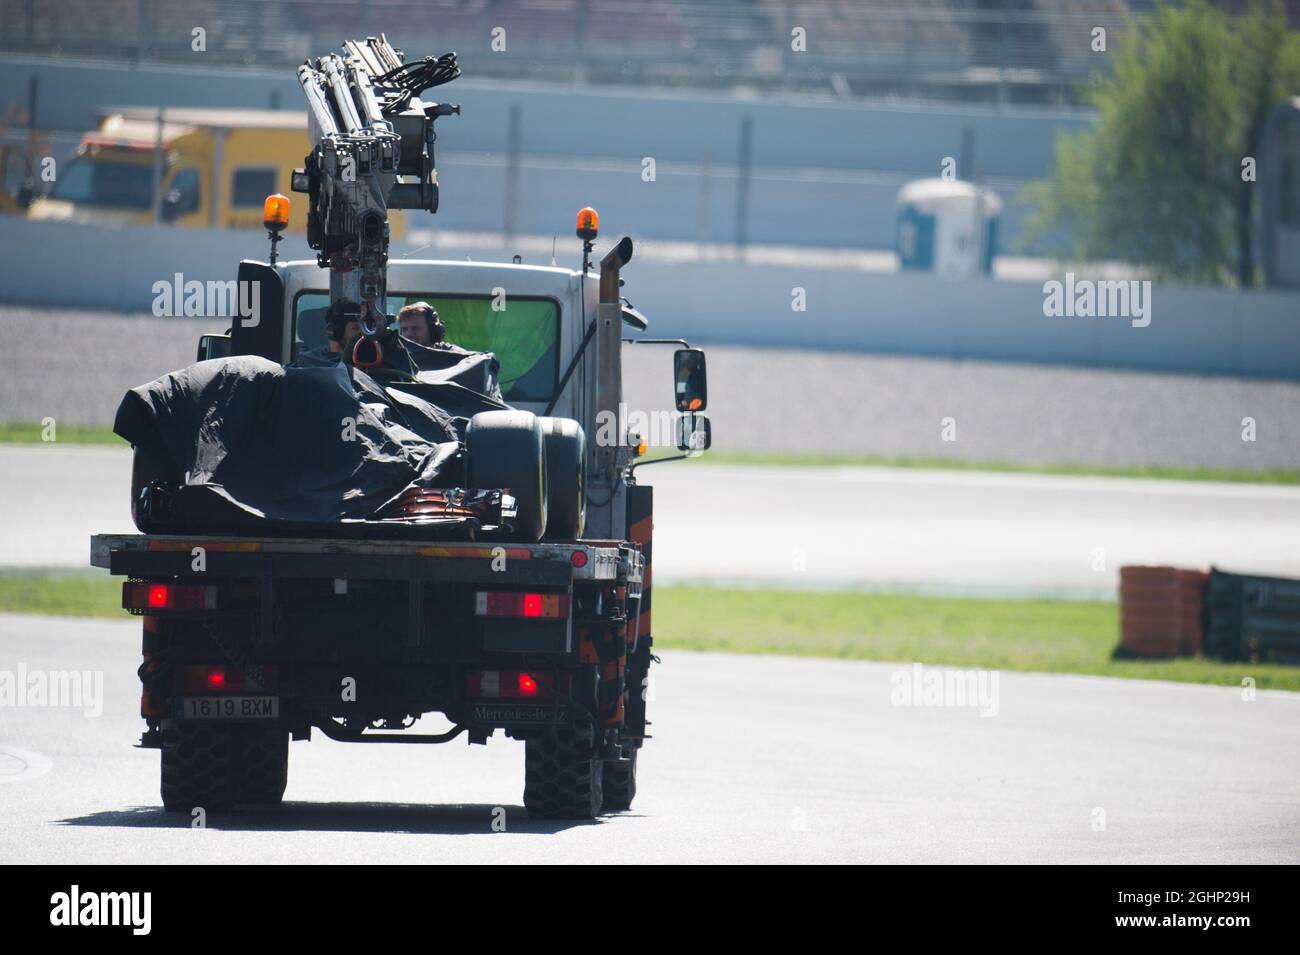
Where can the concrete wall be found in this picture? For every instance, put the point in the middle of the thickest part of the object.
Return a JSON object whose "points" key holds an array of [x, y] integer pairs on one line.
{"points": [[1254, 334], [562, 121], [115, 267], [824, 173], [787, 206]]}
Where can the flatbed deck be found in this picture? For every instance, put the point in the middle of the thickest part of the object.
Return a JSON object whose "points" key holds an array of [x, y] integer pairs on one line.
{"points": [[152, 554]]}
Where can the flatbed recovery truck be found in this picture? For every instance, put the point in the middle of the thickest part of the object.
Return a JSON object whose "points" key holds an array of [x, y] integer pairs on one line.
{"points": [[250, 640]]}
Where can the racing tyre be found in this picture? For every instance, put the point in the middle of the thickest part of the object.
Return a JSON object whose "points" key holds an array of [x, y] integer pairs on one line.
{"points": [[566, 478], [507, 450], [562, 774], [620, 784]]}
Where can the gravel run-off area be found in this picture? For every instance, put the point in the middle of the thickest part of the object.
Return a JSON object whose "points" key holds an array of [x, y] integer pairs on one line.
{"points": [[75, 366]]}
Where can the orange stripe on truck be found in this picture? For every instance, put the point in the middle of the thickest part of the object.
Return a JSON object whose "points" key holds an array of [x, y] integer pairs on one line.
{"points": [[487, 553]]}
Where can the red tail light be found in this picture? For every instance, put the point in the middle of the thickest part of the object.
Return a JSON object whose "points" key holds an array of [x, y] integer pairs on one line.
{"points": [[214, 679], [495, 603], [137, 596], [499, 684]]}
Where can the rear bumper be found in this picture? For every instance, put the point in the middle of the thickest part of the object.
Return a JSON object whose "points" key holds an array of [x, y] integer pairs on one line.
{"points": [[400, 621], [274, 565], [172, 555]]}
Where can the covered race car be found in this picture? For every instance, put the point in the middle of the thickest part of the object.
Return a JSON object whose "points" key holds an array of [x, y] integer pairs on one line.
{"points": [[420, 446]]}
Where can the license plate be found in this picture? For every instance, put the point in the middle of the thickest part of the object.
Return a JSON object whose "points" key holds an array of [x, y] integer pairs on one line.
{"points": [[228, 708]]}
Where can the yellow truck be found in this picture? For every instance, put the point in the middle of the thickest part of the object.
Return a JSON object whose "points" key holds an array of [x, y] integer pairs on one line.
{"points": [[215, 168]]}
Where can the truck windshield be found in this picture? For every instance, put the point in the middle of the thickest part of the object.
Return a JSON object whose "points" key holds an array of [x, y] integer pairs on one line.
{"points": [[105, 182], [523, 334]]}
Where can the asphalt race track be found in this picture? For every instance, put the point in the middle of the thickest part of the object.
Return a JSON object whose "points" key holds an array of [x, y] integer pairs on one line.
{"points": [[754, 759], [806, 526], [965, 530]]}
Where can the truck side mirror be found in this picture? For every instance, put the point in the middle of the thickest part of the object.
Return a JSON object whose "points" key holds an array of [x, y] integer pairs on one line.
{"points": [[213, 346], [694, 434], [690, 380]]}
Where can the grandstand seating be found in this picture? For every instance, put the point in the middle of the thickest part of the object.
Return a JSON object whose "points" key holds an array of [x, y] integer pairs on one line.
{"points": [[1018, 50]]}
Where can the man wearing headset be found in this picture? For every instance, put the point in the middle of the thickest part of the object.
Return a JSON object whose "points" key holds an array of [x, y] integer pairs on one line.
{"points": [[419, 322]]}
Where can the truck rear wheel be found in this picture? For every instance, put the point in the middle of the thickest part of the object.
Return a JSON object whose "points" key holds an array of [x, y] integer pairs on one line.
{"points": [[620, 784], [264, 769], [562, 774], [218, 766], [507, 450], [198, 767]]}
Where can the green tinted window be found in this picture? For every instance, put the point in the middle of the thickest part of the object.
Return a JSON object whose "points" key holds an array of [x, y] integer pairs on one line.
{"points": [[523, 334]]}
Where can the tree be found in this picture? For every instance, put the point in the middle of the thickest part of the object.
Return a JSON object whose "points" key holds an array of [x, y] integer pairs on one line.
{"points": [[1158, 180]]}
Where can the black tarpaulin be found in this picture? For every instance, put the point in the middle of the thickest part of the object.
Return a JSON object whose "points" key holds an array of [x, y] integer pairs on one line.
{"points": [[305, 444]]}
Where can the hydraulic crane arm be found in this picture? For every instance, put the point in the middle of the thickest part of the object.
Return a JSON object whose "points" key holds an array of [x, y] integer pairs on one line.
{"points": [[372, 150]]}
